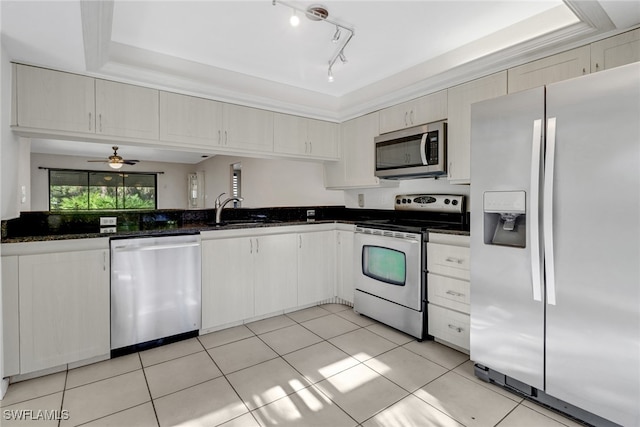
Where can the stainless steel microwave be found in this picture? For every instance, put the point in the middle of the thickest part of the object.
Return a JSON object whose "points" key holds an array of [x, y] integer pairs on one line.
{"points": [[412, 153]]}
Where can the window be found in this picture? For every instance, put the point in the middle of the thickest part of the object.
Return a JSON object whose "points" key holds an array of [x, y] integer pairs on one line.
{"points": [[89, 190], [236, 180]]}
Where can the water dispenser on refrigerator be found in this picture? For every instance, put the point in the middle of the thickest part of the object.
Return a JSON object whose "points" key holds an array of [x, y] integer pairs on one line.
{"points": [[505, 218]]}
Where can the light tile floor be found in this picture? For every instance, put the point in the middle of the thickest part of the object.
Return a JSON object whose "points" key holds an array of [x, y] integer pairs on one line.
{"points": [[323, 366]]}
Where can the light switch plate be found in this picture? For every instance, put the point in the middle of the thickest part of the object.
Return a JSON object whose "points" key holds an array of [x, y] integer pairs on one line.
{"points": [[361, 200], [108, 220]]}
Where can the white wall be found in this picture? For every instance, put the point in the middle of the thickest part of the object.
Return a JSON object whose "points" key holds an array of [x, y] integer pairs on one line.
{"points": [[172, 184], [384, 198], [269, 182], [9, 146]]}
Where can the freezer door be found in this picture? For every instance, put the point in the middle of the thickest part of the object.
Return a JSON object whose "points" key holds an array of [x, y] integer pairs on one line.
{"points": [[507, 311], [593, 244]]}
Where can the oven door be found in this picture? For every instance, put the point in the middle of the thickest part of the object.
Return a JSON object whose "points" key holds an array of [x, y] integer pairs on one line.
{"points": [[390, 267]]}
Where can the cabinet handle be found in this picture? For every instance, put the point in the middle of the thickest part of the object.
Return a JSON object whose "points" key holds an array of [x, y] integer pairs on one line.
{"points": [[597, 66], [411, 116], [455, 328], [406, 114], [257, 245], [89, 121], [219, 137], [226, 138], [299, 241], [455, 294], [310, 147], [250, 246], [456, 260], [104, 261]]}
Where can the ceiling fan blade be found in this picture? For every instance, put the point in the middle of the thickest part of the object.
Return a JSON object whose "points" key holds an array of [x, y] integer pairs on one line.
{"points": [[130, 162]]}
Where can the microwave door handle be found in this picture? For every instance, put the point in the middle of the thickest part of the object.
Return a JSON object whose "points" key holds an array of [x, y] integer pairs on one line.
{"points": [[423, 146]]}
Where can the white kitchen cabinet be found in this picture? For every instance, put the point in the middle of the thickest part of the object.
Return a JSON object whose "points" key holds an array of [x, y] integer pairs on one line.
{"points": [[10, 317], [459, 121], [275, 273], [54, 100], [246, 129], [227, 281], [356, 167], [316, 266], [615, 51], [188, 120], [426, 109], [64, 308], [449, 289], [562, 66], [126, 111], [305, 137], [345, 265]]}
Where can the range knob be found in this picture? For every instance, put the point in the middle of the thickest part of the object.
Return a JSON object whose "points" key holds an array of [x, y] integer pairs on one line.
{"points": [[447, 201], [454, 202]]}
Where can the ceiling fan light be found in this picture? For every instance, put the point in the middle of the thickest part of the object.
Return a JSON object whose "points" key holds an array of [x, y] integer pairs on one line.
{"points": [[115, 165]]}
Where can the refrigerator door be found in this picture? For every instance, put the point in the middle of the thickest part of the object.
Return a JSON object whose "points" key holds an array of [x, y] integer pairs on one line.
{"points": [[593, 318], [507, 310]]}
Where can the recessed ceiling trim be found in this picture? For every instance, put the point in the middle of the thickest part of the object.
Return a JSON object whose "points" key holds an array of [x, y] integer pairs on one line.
{"points": [[97, 22], [591, 13]]}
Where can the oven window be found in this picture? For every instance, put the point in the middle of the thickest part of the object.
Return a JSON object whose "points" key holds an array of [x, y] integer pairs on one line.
{"points": [[384, 264]]}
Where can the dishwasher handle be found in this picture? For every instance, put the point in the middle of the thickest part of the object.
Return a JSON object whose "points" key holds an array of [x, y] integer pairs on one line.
{"points": [[154, 247]]}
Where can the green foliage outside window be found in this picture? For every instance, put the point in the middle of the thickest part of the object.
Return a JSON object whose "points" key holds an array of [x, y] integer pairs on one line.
{"points": [[87, 190]]}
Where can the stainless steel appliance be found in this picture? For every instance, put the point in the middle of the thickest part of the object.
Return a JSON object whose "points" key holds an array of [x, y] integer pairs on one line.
{"points": [[412, 153], [391, 259], [155, 288], [555, 244]]}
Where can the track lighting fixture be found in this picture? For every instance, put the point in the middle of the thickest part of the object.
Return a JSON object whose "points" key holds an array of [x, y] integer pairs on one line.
{"points": [[317, 12], [294, 20], [336, 35]]}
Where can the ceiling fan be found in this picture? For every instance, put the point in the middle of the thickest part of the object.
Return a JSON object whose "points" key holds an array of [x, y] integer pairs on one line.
{"points": [[115, 161]]}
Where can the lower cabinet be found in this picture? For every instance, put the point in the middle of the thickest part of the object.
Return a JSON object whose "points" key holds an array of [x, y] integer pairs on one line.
{"points": [[316, 266], [448, 289], [345, 265], [249, 276], [245, 277], [227, 281], [64, 308]]}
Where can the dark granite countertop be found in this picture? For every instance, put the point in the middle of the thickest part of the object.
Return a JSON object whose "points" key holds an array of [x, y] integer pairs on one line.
{"points": [[50, 226]]}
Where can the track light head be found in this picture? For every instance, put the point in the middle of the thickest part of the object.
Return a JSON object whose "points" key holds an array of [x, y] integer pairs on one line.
{"points": [[330, 76], [294, 20], [336, 35]]}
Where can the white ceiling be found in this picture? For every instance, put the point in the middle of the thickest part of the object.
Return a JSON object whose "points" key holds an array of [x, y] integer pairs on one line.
{"points": [[246, 52]]}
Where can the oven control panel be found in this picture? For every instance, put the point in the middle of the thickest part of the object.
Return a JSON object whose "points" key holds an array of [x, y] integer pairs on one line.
{"points": [[451, 203]]}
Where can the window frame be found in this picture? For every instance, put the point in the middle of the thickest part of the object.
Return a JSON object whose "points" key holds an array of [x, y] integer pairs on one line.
{"points": [[117, 173]]}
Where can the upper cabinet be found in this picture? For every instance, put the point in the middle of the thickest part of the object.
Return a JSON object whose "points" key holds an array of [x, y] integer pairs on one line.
{"points": [[615, 51], [563, 66], [305, 137], [356, 167], [246, 129], [126, 110], [46, 99], [426, 109], [190, 120], [459, 123]]}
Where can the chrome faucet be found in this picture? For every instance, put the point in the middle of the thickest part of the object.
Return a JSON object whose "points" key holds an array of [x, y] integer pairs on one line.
{"points": [[218, 202], [222, 205]]}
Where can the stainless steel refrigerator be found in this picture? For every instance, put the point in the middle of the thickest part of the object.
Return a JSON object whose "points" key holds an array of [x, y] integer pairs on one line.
{"points": [[555, 244]]}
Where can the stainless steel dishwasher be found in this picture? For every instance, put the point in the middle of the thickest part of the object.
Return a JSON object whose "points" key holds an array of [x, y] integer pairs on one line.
{"points": [[155, 290]]}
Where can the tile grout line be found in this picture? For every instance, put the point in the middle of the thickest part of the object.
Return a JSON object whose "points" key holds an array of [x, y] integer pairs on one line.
{"points": [[64, 390], [153, 404]]}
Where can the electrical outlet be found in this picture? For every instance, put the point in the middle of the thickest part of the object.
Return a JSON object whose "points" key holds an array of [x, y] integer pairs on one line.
{"points": [[108, 229], [361, 200], [311, 212], [108, 220]]}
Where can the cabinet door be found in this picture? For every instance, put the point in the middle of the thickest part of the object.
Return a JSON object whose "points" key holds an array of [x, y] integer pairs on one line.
{"points": [[356, 167], [397, 117], [316, 267], [64, 308], [227, 281], [247, 128], [563, 66], [127, 110], [54, 100], [322, 139], [275, 273], [290, 134], [190, 120], [10, 317], [615, 51], [345, 265], [459, 121], [430, 108]]}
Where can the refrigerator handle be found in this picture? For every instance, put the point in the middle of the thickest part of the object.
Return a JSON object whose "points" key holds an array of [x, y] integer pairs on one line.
{"points": [[548, 211], [423, 146], [536, 265]]}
